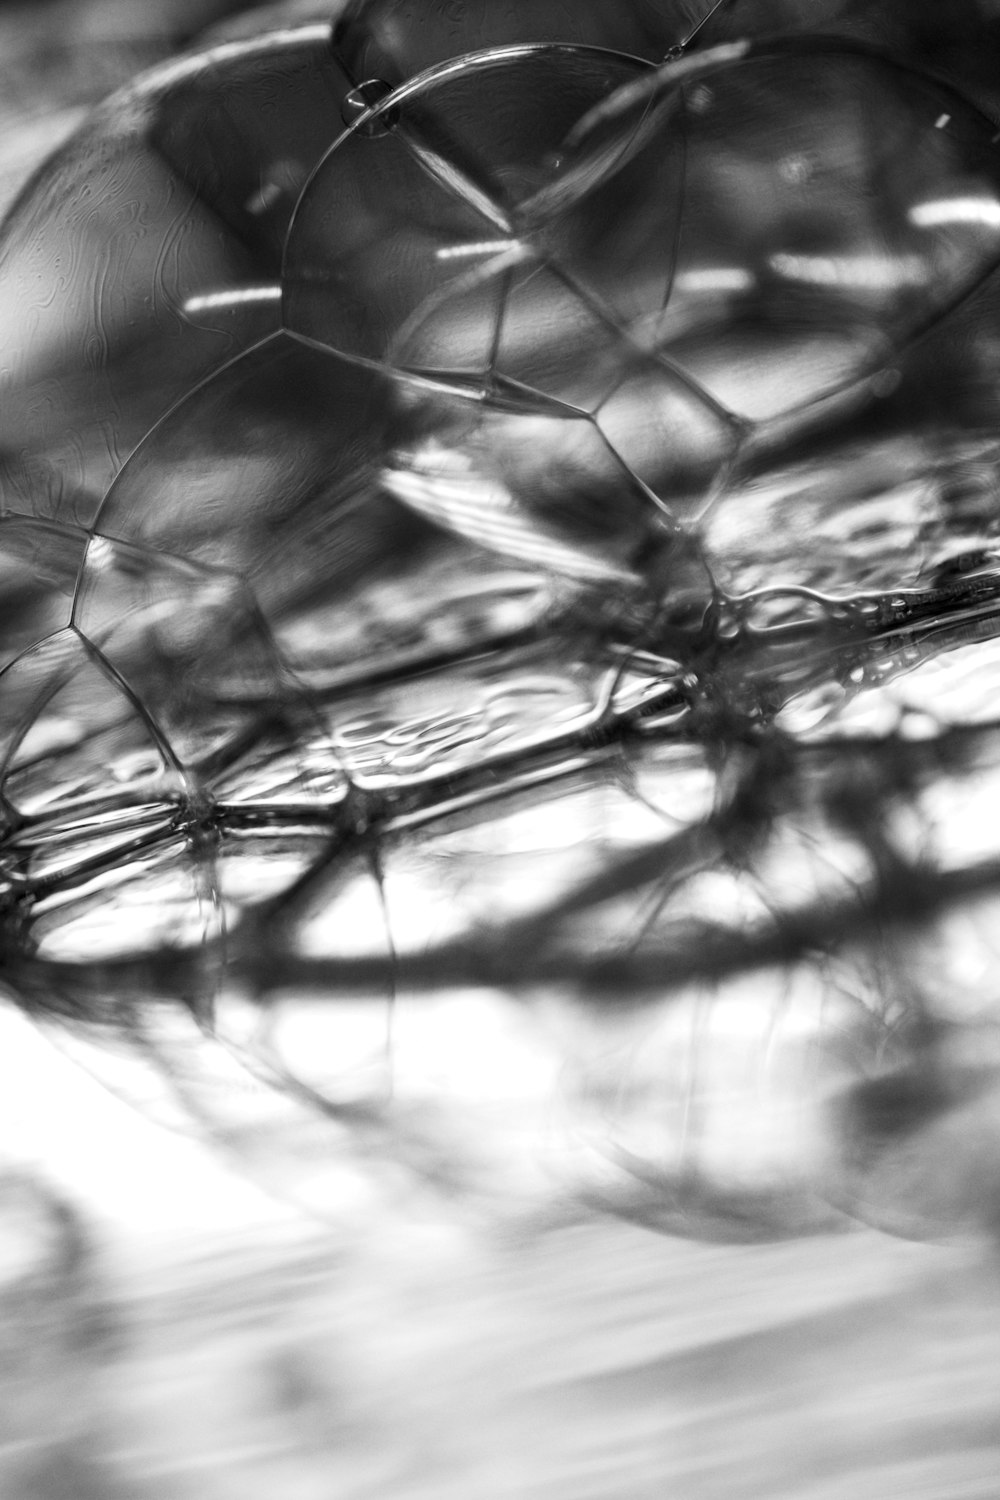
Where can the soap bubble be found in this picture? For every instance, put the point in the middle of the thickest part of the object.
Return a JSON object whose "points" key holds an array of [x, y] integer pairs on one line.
{"points": [[481, 506]]}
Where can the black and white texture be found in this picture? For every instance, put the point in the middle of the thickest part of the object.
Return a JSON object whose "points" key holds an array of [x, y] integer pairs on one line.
{"points": [[498, 529]]}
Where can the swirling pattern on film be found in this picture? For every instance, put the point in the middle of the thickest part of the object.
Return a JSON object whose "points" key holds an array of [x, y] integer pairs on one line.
{"points": [[499, 605]]}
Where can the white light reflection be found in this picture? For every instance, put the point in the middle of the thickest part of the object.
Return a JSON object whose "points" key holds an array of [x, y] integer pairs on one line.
{"points": [[715, 279], [100, 555], [864, 272], [232, 298], [437, 484], [941, 211], [481, 247]]}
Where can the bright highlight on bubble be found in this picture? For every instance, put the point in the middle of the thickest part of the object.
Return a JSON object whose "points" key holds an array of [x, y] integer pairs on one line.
{"points": [[233, 298]]}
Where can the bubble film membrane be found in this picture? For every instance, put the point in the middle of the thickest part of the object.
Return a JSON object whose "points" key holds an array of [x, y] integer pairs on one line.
{"points": [[498, 540]]}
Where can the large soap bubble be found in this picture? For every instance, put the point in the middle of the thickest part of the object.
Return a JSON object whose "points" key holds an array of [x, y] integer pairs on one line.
{"points": [[498, 535]]}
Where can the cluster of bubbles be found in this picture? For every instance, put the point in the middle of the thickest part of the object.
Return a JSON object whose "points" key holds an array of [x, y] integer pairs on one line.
{"points": [[498, 549]]}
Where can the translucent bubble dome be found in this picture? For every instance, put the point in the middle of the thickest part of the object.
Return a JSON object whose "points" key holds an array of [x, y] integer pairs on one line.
{"points": [[498, 536]]}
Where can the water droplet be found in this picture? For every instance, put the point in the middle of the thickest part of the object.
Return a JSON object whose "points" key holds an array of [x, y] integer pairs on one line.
{"points": [[361, 100]]}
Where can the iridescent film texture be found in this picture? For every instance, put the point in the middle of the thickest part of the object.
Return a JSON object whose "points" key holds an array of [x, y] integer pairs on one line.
{"points": [[498, 578]]}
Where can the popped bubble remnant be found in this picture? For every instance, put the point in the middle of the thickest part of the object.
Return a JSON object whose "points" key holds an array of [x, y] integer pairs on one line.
{"points": [[499, 600]]}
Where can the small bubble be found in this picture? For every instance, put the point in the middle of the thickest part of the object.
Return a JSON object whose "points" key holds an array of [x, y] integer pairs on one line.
{"points": [[363, 98]]}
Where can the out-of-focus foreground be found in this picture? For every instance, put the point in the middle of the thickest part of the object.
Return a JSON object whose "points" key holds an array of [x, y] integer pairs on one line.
{"points": [[168, 1334]]}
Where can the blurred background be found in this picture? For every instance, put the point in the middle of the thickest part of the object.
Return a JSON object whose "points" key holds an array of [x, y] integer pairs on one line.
{"points": [[169, 1328], [58, 57]]}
